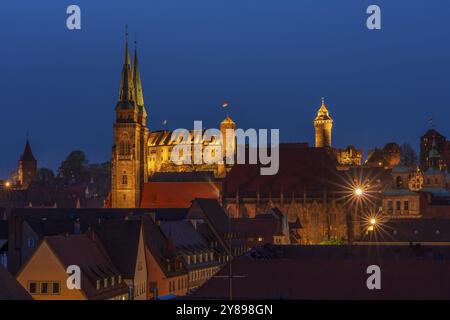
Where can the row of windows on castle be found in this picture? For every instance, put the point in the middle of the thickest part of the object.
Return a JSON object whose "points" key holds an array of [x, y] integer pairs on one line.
{"points": [[398, 206], [125, 150]]}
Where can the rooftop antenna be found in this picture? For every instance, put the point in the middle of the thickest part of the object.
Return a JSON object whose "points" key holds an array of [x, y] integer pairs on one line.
{"points": [[230, 275]]}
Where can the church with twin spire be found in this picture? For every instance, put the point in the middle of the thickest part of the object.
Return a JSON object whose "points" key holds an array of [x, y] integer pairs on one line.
{"points": [[138, 152]]}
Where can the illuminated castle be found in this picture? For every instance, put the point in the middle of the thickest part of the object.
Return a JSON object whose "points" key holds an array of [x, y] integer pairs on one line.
{"points": [[138, 153], [323, 125]]}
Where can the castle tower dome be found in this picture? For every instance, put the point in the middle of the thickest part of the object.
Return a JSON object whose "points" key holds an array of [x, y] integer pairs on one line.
{"points": [[323, 124]]}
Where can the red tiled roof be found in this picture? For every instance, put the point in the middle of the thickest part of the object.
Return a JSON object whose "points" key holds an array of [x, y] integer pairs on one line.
{"points": [[27, 154], [10, 289], [177, 194], [90, 255], [335, 273], [302, 169]]}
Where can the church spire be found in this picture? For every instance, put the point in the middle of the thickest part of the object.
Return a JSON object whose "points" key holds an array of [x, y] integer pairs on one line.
{"points": [[126, 93], [137, 79]]}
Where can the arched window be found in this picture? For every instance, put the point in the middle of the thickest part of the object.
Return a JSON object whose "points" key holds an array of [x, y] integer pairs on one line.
{"points": [[124, 145]]}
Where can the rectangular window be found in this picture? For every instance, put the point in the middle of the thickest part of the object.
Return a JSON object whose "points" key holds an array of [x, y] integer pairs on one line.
{"points": [[398, 205], [124, 179], [32, 287], [56, 287], [406, 205], [390, 205], [44, 287]]}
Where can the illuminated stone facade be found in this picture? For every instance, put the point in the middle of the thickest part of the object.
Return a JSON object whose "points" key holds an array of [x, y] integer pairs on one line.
{"points": [[323, 125]]}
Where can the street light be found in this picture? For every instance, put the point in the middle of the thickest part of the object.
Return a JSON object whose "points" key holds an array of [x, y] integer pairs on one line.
{"points": [[7, 184], [359, 191]]}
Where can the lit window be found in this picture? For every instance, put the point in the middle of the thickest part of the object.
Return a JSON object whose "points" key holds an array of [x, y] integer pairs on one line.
{"points": [[44, 287], [56, 288], [32, 287], [406, 205]]}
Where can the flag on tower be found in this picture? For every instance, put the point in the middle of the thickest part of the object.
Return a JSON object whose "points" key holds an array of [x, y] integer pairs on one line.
{"points": [[225, 104]]}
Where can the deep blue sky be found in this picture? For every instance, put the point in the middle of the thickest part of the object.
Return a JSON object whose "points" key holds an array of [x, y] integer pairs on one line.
{"points": [[273, 60]]}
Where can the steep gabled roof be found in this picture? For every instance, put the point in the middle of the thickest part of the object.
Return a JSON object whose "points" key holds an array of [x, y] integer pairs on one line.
{"points": [[121, 240], [90, 255], [10, 289], [301, 169], [157, 243], [27, 154]]}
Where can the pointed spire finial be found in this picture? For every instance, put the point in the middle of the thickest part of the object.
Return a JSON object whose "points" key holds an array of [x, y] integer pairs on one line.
{"points": [[323, 101], [126, 92]]}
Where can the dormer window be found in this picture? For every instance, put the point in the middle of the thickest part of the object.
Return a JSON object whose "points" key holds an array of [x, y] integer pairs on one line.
{"points": [[97, 284], [105, 282], [113, 280]]}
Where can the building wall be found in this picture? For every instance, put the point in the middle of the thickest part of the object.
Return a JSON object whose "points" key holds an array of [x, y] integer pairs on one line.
{"points": [[158, 280], [319, 220], [126, 166], [27, 172], [45, 266], [409, 206], [323, 133], [29, 243]]}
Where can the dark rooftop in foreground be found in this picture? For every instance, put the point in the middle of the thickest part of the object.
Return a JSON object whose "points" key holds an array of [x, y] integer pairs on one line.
{"points": [[334, 272]]}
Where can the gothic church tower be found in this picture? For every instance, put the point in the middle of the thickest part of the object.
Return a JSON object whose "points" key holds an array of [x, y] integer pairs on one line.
{"points": [[128, 165], [323, 125], [27, 168]]}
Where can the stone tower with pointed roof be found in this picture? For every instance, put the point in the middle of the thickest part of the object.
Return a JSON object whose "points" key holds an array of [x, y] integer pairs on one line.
{"points": [[27, 168], [323, 125], [138, 153], [130, 136]]}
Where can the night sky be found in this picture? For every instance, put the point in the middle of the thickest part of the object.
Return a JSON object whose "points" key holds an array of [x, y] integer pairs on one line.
{"points": [[272, 60]]}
